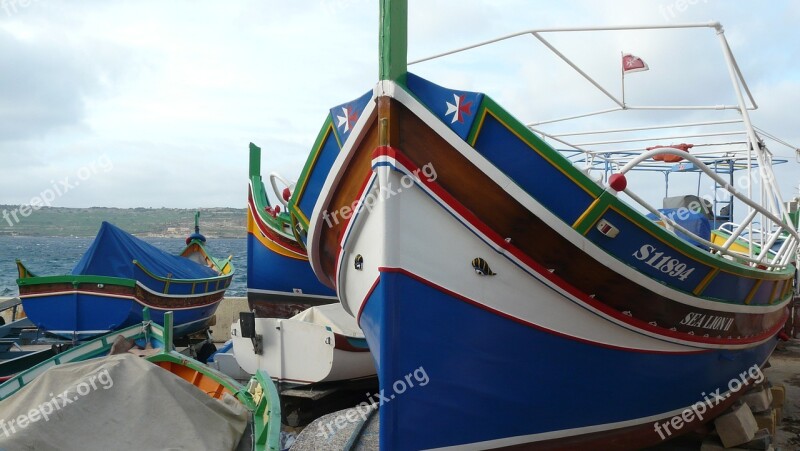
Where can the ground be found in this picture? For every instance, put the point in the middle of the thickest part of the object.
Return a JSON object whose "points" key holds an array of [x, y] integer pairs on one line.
{"points": [[785, 369]]}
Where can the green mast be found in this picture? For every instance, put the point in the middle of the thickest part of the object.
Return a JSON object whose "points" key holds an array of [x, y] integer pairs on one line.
{"points": [[393, 45]]}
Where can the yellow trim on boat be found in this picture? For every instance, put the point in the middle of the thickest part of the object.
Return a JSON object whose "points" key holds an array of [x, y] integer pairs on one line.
{"points": [[753, 291], [772, 297], [252, 228], [705, 282], [585, 213], [786, 288], [737, 247], [302, 216]]}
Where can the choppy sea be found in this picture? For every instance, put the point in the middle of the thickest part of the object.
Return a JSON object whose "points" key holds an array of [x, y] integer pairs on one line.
{"points": [[50, 256]]}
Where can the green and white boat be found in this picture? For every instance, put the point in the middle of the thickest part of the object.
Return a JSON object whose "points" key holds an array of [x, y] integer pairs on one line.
{"points": [[255, 406]]}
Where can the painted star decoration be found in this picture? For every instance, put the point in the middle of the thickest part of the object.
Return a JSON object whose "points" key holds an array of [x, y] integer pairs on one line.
{"points": [[348, 120], [459, 109]]}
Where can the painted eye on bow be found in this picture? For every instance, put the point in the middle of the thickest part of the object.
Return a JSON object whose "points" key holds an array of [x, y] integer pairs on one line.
{"points": [[481, 267]]}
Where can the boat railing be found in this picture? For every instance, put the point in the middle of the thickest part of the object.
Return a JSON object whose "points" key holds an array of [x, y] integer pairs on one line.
{"points": [[720, 145], [757, 237], [217, 282], [764, 257]]}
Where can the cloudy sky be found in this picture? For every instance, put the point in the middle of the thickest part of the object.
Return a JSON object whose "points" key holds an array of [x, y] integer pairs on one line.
{"points": [[153, 103]]}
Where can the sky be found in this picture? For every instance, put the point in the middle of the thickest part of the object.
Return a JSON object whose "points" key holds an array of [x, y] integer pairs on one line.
{"points": [[153, 103]]}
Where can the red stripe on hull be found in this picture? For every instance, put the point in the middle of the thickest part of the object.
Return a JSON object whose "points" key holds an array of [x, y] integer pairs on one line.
{"points": [[499, 241]]}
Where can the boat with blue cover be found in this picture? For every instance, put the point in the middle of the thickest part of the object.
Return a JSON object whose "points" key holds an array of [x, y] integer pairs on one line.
{"points": [[117, 277], [517, 265]]}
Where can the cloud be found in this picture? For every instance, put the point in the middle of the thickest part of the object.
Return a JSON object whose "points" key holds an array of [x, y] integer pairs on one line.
{"points": [[173, 92]]}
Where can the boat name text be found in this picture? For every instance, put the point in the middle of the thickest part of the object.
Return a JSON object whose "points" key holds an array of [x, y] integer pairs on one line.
{"points": [[703, 321], [664, 263]]}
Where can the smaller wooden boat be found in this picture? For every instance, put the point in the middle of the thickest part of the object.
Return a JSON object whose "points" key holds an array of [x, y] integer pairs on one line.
{"points": [[20, 331], [320, 344], [258, 398], [280, 282], [120, 275]]}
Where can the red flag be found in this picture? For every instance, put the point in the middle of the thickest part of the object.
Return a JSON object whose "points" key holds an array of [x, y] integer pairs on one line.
{"points": [[632, 63]]}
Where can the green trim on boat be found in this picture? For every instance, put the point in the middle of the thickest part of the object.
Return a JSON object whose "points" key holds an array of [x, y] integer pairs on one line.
{"points": [[75, 280], [268, 407], [299, 190], [393, 45], [260, 198]]}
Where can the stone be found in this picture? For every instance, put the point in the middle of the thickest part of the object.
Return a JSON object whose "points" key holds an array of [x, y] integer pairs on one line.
{"points": [[759, 399], [761, 442], [737, 426], [778, 395], [766, 420]]}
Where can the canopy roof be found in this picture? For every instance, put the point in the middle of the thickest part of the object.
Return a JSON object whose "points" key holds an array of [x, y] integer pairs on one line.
{"points": [[113, 251]]}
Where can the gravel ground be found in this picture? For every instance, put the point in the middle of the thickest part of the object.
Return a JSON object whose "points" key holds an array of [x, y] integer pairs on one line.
{"points": [[333, 431]]}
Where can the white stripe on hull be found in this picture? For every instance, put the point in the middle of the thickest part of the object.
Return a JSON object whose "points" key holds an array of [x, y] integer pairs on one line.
{"points": [[412, 232]]}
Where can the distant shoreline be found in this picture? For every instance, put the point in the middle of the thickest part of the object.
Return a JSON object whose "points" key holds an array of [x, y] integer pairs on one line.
{"points": [[63, 222]]}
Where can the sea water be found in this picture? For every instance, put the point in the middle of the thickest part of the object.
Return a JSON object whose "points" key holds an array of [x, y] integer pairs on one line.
{"points": [[52, 256]]}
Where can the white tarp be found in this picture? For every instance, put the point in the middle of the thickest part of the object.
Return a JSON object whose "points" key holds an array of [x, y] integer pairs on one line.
{"points": [[120, 402], [333, 316]]}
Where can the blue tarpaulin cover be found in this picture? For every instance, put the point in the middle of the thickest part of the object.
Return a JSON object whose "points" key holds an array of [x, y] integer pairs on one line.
{"points": [[695, 222], [113, 251]]}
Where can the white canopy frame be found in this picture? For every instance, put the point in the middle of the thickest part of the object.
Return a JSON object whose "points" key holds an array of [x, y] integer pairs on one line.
{"points": [[767, 221]]}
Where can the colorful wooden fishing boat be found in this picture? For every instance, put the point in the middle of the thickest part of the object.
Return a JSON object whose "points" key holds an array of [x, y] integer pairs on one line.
{"points": [[280, 282], [120, 275], [320, 344], [545, 308], [259, 396]]}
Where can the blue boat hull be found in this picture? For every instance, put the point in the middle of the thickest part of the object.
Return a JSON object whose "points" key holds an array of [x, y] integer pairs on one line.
{"points": [[466, 400], [80, 315], [271, 273]]}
